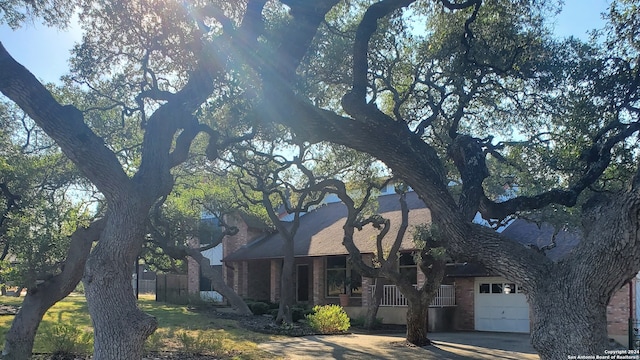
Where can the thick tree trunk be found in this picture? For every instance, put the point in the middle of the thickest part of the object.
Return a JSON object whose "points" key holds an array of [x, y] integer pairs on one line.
{"points": [[19, 340], [374, 305], [285, 313], [567, 321], [120, 327], [215, 275], [20, 337], [417, 323]]}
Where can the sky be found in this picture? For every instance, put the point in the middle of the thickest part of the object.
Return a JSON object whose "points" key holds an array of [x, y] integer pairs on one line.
{"points": [[45, 51]]}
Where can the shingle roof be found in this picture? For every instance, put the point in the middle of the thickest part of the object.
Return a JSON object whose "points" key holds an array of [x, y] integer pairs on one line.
{"points": [[321, 231], [529, 233], [526, 233]]}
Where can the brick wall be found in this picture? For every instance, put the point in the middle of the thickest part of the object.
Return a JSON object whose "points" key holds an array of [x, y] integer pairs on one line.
{"points": [[244, 235], [236, 274], [464, 313], [618, 312]]}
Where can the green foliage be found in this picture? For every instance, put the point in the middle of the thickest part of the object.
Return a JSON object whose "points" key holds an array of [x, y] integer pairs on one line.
{"points": [[35, 232], [51, 12], [300, 312], [259, 308], [66, 339], [428, 237], [329, 319]]}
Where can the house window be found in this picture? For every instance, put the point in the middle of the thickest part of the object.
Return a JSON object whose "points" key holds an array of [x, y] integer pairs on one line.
{"points": [[500, 288], [407, 267], [509, 289], [496, 288], [337, 280]]}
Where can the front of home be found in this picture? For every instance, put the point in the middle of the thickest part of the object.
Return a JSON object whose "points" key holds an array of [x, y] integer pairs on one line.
{"points": [[470, 298]]}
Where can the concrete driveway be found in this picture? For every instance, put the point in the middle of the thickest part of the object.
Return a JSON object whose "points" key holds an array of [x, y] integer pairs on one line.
{"points": [[452, 346]]}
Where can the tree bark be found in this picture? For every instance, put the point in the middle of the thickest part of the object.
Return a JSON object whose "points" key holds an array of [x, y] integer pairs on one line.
{"points": [[374, 305], [120, 328], [417, 323], [567, 320], [286, 283], [20, 337], [18, 344]]}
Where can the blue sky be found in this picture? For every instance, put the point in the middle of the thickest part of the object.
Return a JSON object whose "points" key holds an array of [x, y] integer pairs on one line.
{"points": [[45, 51]]}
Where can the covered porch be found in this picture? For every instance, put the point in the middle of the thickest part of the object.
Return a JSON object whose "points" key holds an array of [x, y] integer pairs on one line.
{"points": [[393, 307]]}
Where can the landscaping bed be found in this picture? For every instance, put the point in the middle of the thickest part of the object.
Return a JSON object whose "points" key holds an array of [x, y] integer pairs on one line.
{"points": [[266, 325]]}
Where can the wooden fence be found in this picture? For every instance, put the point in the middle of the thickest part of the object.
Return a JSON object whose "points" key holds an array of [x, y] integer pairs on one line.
{"points": [[172, 288]]}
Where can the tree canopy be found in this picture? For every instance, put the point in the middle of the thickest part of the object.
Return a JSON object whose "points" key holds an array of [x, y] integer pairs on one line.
{"points": [[460, 99]]}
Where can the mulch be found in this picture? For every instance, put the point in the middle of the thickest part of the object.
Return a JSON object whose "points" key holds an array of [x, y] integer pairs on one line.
{"points": [[263, 324]]}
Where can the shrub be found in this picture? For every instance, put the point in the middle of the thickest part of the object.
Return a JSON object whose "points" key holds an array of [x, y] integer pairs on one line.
{"points": [[66, 339], [259, 308], [274, 305], [299, 313], [329, 319]]}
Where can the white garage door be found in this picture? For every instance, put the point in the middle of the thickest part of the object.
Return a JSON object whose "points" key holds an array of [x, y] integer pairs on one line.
{"points": [[500, 306]]}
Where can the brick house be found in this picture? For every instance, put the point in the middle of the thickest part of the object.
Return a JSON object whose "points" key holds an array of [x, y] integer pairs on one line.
{"points": [[483, 304], [471, 298]]}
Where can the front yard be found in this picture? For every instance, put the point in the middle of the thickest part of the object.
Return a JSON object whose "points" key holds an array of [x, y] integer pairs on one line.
{"points": [[181, 334]]}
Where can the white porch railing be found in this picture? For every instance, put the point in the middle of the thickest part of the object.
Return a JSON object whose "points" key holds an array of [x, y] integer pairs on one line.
{"points": [[391, 296]]}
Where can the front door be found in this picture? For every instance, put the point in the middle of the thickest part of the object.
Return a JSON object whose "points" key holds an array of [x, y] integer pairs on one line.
{"points": [[302, 283]]}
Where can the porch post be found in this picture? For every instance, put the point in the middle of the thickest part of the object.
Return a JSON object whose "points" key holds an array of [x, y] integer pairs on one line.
{"points": [[318, 281], [274, 289], [245, 279], [240, 278]]}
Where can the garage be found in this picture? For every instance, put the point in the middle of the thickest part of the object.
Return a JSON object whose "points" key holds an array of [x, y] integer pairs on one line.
{"points": [[500, 306]]}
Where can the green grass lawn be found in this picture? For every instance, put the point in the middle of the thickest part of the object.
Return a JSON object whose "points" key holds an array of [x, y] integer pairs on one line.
{"points": [[179, 330]]}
